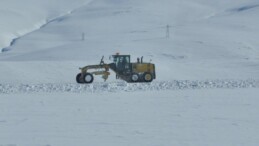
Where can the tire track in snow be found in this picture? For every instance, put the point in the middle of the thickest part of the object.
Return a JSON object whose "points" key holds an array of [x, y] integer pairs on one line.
{"points": [[127, 87]]}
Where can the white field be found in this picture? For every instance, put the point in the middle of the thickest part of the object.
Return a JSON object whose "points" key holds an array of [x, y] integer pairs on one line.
{"points": [[206, 91], [184, 117]]}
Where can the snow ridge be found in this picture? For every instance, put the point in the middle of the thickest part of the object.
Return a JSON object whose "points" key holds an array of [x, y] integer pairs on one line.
{"points": [[126, 87], [41, 25], [245, 8]]}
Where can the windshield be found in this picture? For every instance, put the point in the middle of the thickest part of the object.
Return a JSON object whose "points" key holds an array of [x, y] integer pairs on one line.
{"points": [[121, 60]]}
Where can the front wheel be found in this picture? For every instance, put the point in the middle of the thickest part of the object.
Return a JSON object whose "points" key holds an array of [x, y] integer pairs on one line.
{"points": [[88, 78], [79, 78]]}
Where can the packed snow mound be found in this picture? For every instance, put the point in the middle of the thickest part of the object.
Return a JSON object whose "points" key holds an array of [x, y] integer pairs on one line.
{"points": [[123, 86]]}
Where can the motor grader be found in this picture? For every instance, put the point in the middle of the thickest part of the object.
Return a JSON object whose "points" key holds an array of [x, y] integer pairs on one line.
{"points": [[138, 71]]}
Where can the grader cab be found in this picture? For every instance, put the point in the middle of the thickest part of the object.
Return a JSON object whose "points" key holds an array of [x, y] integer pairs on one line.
{"points": [[138, 71]]}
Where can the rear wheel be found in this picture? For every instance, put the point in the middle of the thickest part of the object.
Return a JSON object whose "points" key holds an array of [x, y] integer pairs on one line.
{"points": [[79, 79], [147, 77], [134, 77], [88, 78]]}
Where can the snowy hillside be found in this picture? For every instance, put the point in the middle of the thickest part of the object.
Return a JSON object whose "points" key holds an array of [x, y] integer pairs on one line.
{"points": [[208, 40], [21, 17], [207, 65]]}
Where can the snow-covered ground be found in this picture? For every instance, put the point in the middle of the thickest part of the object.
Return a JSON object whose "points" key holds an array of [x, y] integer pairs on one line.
{"points": [[208, 40], [207, 72], [21, 17], [213, 117]]}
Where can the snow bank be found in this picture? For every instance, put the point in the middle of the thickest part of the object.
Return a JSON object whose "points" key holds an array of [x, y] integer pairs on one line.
{"points": [[126, 87]]}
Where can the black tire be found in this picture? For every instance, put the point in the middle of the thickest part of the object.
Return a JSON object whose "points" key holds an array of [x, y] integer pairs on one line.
{"points": [[147, 77], [79, 79], [88, 78], [134, 77]]}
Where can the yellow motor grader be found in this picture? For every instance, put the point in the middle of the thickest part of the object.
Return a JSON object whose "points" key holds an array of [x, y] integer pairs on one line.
{"points": [[130, 72]]}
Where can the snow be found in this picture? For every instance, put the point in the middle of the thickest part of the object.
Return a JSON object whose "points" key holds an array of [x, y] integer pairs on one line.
{"points": [[189, 117], [101, 87], [19, 18], [209, 40], [207, 73]]}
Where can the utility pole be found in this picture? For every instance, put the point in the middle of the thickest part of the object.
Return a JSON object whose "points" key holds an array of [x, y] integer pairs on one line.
{"points": [[168, 31], [83, 36]]}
